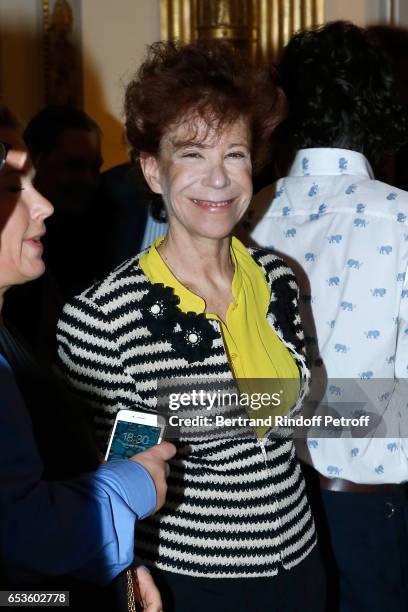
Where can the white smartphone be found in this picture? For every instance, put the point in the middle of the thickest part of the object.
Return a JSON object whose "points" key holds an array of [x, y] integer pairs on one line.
{"points": [[134, 432]]}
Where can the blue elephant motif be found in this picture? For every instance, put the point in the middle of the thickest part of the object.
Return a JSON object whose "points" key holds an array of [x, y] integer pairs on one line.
{"points": [[333, 281], [341, 348], [354, 452], [360, 208], [331, 323], [313, 190], [347, 306], [312, 443], [401, 218], [290, 233], [392, 196], [350, 189], [400, 276], [333, 470], [390, 360], [310, 256], [314, 216], [322, 209], [379, 469], [343, 163], [334, 390], [285, 211], [392, 447], [305, 166], [385, 249], [372, 334], [384, 396], [366, 375], [334, 238], [360, 222], [354, 263], [379, 292], [404, 293], [278, 193]]}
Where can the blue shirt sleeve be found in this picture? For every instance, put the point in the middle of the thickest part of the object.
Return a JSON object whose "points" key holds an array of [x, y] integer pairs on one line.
{"points": [[83, 527]]}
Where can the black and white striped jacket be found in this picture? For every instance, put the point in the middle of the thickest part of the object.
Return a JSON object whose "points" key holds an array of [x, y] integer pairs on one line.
{"points": [[235, 507]]}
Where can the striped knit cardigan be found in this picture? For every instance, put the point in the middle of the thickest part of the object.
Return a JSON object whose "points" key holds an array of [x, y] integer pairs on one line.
{"points": [[235, 507]]}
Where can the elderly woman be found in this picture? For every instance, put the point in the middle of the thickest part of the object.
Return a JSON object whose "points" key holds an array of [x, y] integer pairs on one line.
{"points": [[236, 532], [65, 522]]}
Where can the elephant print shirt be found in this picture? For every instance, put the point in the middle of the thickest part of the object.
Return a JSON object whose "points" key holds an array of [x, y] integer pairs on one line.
{"points": [[346, 236]]}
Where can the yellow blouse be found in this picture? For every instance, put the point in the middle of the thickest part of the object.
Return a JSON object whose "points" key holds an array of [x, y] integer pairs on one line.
{"points": [[253, 348]]}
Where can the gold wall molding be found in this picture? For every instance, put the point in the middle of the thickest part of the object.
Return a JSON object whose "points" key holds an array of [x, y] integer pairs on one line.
{"points": [[62, 64], [392, 8], [261, 27]]}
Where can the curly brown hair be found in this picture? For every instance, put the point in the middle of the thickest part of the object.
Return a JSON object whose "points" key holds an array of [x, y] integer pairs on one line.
{"points": [[204, 78]]}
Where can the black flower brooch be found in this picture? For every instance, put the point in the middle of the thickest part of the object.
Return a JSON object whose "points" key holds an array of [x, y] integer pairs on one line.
{"points": [[160, 309], [190, 334]]}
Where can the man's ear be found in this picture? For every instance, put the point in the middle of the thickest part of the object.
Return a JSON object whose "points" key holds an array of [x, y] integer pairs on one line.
{"points": [[151, 172]]}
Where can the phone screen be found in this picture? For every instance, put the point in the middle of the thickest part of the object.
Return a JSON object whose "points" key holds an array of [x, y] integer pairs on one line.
{"points": [[131, 438]]}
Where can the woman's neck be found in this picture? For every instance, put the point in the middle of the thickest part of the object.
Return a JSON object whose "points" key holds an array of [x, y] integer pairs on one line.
{"points": [[191, 258]]}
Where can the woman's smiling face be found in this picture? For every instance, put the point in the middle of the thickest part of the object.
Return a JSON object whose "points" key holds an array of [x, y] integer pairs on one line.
{"points": [[204, 175], [22, 214]]}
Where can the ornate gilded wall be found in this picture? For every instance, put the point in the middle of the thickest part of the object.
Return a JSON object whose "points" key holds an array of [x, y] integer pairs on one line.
{"points": [[262, 27]]}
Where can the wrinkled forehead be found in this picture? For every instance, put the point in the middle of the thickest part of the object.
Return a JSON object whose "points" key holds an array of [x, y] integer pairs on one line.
{"points": [[208, 131]]}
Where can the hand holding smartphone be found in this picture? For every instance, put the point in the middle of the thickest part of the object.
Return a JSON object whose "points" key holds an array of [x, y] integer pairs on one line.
{"points": [[135, 435], [134, 432]]}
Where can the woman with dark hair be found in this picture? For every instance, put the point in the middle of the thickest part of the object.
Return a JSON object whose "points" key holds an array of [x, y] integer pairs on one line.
{"points": [[237, 532]]}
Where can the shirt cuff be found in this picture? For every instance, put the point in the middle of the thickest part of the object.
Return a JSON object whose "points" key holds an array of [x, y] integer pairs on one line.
{"points": [[136, 485]]}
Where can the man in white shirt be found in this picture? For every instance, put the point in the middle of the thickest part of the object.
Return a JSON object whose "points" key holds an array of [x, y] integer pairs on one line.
{"points": [[346, 235]]}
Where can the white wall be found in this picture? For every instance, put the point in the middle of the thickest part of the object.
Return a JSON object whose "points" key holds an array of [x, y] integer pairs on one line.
{"points": [[360, 12], [114, 37], [402, 11]]}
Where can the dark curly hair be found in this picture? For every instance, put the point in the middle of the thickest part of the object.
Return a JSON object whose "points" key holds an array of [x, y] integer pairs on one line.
{"points": [[339, 87], [206, 78]]}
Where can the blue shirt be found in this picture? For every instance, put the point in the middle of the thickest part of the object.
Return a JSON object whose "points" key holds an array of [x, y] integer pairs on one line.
{"points": [[84, 527], [347, 235]]}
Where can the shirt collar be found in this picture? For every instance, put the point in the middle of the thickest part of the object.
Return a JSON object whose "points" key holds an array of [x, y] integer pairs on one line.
{"points": [[190, 301], [329, 161]]}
